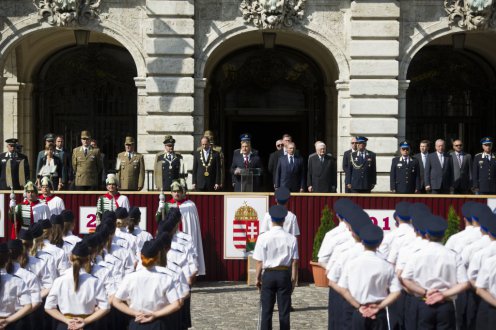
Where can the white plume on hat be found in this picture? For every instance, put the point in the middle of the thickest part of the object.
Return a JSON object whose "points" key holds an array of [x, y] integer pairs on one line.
{"points": [[111, 179]]}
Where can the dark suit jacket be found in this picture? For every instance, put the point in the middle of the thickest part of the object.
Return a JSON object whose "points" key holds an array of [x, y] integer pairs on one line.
{"points": [[422, 169], [238, 162], [271, 168], [322, 176], [293, 177], [405, 176], [436, 176], [202, 182], [462, 176], [484, 174], [363, 174]]}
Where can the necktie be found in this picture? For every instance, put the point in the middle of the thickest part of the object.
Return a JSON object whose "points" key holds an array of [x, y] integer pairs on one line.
{"points": [[441, 159], [129, 155], [322, 160], [460, 160], [423, 159], [169, 157], [85, 152], [291, 161], [405, 160], [246, 162]]}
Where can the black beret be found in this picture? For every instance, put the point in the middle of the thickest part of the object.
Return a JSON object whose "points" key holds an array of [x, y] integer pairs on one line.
{"points": [[403, 211], [4, 248], [278, 213], [94, 240], [371, 235], [36, 229], [164, 240], [81, 249], [25, 235], [435, 225], [150, 249], [358, 219], [174, 215], [109, 224], [491, 226], [109, 214], [341, 205], [467, 208], [485, 218], [282, 194], [57, 219], [121, 213], [418, 223], [46, 224], [15, 245], [134, 212], [105, 230], [67, 215], [419, 210], [478, 210]]}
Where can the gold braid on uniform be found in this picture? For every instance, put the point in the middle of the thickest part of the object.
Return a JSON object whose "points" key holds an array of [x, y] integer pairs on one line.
{"points": [[355, 165]]}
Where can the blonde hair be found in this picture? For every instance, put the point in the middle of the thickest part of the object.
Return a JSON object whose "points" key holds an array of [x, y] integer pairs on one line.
{"points": [[78, 263], [148, 262]]}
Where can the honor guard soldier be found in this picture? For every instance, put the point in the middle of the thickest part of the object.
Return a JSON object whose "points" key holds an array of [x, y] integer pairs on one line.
{"points": [[276, 253], [87, 164], [206, 167], [112, 199], [484, 169], [169, 165], [405, 172], [361, 174], [130, 167], [14, 167]]}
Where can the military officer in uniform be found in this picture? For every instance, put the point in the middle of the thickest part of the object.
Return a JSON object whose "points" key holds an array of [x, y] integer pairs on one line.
{"points": [[14, 167], [346, 159], [130, 167], [169, 165], [87, 164], [405, 172], [206, 167], [361, 173], [484, 169]]}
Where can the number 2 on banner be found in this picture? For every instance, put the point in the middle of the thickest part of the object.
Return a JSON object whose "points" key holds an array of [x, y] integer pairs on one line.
{"points": [[384, 220], [92, 222]]}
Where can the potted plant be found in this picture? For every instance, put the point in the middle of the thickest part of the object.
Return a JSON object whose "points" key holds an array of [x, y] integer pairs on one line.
{"points": [[453, 224], [326, 224]]}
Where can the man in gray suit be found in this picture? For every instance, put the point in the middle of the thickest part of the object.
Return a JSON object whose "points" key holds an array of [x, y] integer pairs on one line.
{"points": [[462, 168], [439, 171]]}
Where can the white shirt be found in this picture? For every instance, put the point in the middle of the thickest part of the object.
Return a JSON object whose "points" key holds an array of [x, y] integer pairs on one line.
{"points": [[104, 276], [402, 235], [468, 251], [339, 250], [61, 260], [276, 248], [408, 250], [435, 267], [40, 212], [158, 292], [487, 276], [336, 268], [177, 277], [479, 258], [178, 256], [386, 244], [55, 205], [121, 260], [131, 239], [73, 239], [141, 237], [459, 241], [290, 224], [89, 295], [331, 239], [49, 260], [14, 292], [38, 267], [369, 278], [32, 282]]}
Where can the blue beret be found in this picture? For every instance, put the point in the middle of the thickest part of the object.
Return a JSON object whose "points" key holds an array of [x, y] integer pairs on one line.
{"points": [[163, 240], [15, 245], [418, 210], [491, 225], [46, 224], [121, 213], [357, 219], [4, 248], [404, 144], [67, 215], [245, 137], [278, 213], [402, 211], [282, 194], [36, 229], [467, 208], [486, 140], [25, 235], [478, 210], [341, 205], [150, 249], [436, 225], [134, 212], [81, 249], [371, 235], [485, 219], [57, 219]]}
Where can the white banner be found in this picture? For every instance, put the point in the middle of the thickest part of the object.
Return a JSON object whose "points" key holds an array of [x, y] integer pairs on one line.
{"points": [[242, 216], [382, 218], [3, 215], [87, 219], [491, 202]]}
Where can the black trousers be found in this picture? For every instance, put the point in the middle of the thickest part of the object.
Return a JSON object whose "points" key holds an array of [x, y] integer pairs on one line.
{"points": [[276, 283], [331, 310], [358, 322], [397, 312], [436, 317], [411, 312], [467, 304]]}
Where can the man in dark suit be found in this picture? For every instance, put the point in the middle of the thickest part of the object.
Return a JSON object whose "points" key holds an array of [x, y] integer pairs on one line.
{"points": [[484, 169], [361, 174], [322, 171], [14, 167], [206, 167], [290, 171], [273, 158], [405, 172], [346, 159], [439, 170], [422, 159], [245, 160], [462, 168]]}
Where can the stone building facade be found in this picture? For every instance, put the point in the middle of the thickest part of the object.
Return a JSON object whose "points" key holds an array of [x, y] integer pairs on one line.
{"points": [[319, 69]]}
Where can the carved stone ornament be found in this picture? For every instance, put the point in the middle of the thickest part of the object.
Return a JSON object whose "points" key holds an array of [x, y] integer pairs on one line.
{"points": [[68, 12], [271, 14], [471, 14]]}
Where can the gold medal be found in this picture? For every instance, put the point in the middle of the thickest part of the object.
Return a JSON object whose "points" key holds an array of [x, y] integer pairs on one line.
{"points": [[170, 167], [206, 174]]}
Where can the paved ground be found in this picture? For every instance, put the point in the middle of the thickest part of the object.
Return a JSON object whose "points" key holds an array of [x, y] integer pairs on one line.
{"points": [[234, 305]]}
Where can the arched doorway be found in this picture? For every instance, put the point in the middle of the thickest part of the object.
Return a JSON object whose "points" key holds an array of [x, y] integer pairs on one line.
{"points": [[451, 95], [267, 92], [87, 88]]}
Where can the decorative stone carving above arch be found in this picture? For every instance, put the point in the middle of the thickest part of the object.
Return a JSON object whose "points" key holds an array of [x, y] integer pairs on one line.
{"points": [[471, 14], [272, 14], [68, 12]]}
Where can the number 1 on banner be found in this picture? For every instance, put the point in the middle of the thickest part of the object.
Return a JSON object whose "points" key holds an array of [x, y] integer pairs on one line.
{"points": [[384, 220]]}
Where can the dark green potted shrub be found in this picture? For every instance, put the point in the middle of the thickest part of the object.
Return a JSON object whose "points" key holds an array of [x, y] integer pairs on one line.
{"points": [[453, 224], [326, 224]]}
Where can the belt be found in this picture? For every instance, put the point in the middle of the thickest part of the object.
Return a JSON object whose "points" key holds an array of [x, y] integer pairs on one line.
{"points": [[73, 316], [277, 268]]}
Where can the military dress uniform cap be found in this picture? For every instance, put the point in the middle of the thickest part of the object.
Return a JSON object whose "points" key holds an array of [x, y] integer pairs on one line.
{"points": [[56, 219], [278, 213], [404, 144], [358, 219], [46, 223], [435, 225], [67, 215], [341, 205], [371, 235], [4, 248], [491, 226], [245, 137], [93, 240], [467, 208], [169, 140], [30, 186], [134, 212], [478, 210], [150, 249], [81, 249], [282, 194], [111, 179], [85, 135], [129, 140], [419, 209], [361, 139], [176, 186], [15, 245], [402, 211], [36, 229], [50, 137], [25, 235], [11, 141], [418, 223], [121, 213], [486, 140], [45, 181], [485, 218]]}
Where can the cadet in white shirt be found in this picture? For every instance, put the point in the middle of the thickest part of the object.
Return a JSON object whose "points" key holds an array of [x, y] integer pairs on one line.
{"points": [[369, 283], [435, 274], [122, 220], [68, 218], [43, 244], [471, 232], [276, 253], [290, 224], [134, 229], [77, 298], [15, 300], [147, 305]]}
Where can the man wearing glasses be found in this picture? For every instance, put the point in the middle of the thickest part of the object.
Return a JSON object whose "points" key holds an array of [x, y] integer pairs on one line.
{"points": [[273, 159], [346, 159], [87, 164], [462, 168], [405, 172]]}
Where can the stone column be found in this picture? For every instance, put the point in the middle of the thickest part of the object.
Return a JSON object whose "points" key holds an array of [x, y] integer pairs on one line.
{"points": [[10, 107], [169, 45], [199, 117], [403, 87], [374, 51], [343, 126]]}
